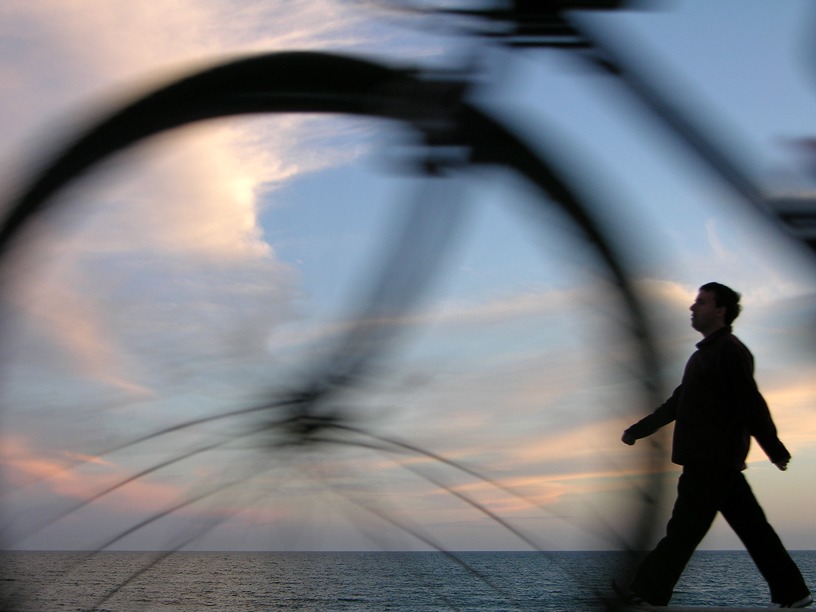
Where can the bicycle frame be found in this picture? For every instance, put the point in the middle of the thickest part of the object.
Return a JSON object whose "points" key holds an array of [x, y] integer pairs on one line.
{"points": [[436, 109]]}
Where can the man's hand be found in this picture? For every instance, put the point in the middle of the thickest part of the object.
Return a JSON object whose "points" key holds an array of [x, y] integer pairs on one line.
{"points": [[629, 439], [783, 465]]}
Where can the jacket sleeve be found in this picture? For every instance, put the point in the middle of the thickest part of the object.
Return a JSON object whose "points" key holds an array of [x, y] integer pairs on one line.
{"points": [[738, 376], [663, 415]]}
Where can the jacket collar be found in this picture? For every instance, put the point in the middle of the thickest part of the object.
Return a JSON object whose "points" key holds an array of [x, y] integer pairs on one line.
{"points": [[713, 337]]}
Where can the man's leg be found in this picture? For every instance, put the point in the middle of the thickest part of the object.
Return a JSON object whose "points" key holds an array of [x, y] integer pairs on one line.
{"points": [[698, 493], [742, 511]]}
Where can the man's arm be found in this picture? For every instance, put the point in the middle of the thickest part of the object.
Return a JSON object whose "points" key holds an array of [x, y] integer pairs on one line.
{"points": [[665, 414], [738, 375]]}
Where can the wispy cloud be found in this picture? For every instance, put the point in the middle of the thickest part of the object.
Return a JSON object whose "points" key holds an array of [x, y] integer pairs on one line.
{"points": [[184, 207]]}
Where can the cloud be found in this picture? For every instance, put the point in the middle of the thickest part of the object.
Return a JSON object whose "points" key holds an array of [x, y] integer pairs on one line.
{"points": [[184, 206], [167, 239], [61, 317], [792, 408], [716, 243], [75, 475], [159, 286]]}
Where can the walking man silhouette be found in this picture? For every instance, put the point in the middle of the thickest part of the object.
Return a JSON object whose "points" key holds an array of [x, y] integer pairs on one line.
{"points": [[716, 410]]}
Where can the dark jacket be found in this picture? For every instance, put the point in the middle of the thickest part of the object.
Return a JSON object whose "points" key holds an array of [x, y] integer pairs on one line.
{"points": [[716, 408]]}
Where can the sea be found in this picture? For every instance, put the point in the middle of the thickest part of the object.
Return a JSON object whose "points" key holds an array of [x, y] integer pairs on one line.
{"points": [[376, 581]]}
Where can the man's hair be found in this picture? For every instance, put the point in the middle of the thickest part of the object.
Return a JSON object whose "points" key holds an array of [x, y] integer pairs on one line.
{"points": [[725, 297]]}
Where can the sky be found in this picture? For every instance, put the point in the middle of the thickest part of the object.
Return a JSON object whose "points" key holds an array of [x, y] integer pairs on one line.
{"points": [[215, 268]]}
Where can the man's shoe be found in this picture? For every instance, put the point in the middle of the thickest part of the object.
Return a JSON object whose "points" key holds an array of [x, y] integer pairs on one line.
{"points": [[799, 603], [628, 596]]}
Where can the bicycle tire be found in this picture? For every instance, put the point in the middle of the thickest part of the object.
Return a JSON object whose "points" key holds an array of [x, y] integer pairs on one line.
{"points": [[281, 83]]}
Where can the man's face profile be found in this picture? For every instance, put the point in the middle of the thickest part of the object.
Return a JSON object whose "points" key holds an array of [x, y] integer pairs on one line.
{"points": [[706, 317]]}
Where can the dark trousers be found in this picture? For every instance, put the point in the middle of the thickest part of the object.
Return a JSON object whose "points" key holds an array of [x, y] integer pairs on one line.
{"points": [[701, 493]]}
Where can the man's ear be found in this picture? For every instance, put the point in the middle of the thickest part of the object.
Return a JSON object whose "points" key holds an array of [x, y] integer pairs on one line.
{"points": [[721, 312]]}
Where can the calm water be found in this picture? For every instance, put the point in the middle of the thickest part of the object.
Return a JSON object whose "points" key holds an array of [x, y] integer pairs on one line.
{"points": [[358, 581]]}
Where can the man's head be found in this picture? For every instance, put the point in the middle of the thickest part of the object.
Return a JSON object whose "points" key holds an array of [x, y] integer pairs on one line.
{"points": [[715, 307]]}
